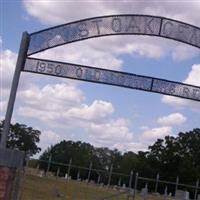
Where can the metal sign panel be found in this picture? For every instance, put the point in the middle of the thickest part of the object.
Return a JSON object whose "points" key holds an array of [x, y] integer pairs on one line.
{"points": [[114, 25], [110, 77]]}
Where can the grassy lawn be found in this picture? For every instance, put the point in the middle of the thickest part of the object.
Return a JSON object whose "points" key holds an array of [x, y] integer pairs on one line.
{"points": [[37, 188]]}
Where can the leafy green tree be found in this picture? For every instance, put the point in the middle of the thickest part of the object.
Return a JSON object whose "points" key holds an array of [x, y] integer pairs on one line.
{"points": [[23, 138], [177, 155], [170, 157]]}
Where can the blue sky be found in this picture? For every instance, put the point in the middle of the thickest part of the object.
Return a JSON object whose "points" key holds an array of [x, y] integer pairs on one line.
{"points": [[100, 114]]}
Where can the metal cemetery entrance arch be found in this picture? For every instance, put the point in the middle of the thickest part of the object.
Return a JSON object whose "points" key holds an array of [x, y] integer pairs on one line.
{"points": [[98, 27]]}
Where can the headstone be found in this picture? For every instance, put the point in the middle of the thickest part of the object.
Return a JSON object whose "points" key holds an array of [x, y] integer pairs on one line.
{"points": [[165, 193], [49, 174], [114, 187], [119, 182], [131, 192], [187, 196], [78, 175], [182, 195], [101, 185], [144, 192], [66, 176], [41, 173], [198, 198], [124, 186], [156, 194]]}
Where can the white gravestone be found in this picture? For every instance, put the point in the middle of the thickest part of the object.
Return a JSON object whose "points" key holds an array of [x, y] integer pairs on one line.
{"points": [[182, 195], [144, 192]]}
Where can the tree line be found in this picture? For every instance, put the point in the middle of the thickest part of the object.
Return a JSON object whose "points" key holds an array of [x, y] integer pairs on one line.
{"points": [[170, 157]]}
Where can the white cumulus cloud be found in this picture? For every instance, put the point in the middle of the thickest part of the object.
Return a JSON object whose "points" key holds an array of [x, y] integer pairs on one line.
{"points": [[155, 133], [62, 106], [193, 76], [174, 119], [47, 138], [111, 134], [53, 13], [193, 79], [7, 60], [98, 109], [50, 102]]}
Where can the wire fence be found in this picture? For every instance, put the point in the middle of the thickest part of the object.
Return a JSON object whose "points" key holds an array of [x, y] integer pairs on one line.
{"points": [[90, 183]]}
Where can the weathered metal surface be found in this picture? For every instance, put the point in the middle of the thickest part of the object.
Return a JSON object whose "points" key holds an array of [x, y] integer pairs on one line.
{"points": [[11, 158], [114, 25], [110, 77], [22, 54]]}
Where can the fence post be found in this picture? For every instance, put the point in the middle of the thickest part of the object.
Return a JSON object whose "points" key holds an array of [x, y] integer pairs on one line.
{"points": [[157, 180], [58, 172], [69, 168], [99, 178], [177, 182], [165, 194], [78, 175], [38, 166], [146, 191], [196, 189], [49, 164], [89, 173], [135, 186], [131, 179], [130, 184], [119, 182], [27, 161], [110, 174]]}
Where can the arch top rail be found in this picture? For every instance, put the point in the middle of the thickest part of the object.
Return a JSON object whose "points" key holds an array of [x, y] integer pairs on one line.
{"points": [[114, 25]]}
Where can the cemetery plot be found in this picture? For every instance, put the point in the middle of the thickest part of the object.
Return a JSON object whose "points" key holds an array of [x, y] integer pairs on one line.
{"points": [[43, 188], [49, 179], [46, 188]]}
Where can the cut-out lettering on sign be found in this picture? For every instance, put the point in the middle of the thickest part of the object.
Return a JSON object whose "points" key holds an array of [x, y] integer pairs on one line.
{"points": [[114, 25], [109, 77]]}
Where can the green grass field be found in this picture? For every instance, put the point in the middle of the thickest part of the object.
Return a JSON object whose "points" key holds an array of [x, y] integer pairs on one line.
{"points": [[37, 188]]}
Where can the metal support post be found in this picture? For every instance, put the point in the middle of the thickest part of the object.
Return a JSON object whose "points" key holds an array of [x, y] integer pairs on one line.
{"points": [[177, 181], [89, 173], [19, 66], [69, 168], [58, 172], [157, 180], [110, 175], [196, 189], [135, 186], [49, 164]]}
